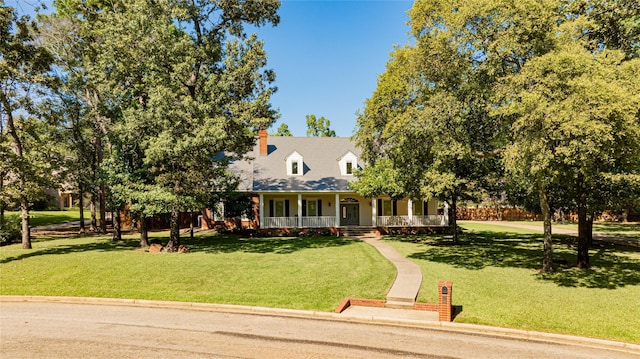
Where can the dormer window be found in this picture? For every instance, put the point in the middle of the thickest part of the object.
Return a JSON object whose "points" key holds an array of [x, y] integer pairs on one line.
{"points": [[348, 164], [295, 164]]}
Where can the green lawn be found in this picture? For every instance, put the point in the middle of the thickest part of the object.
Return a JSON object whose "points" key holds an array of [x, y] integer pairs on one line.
{"points": [[42, 218], [496, 282], [297, 273], [629, 230]]}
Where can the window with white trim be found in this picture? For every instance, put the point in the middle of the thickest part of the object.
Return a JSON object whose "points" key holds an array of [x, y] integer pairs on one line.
{"points": [[387, 209], [312, 208], [418, 207], [278, 208], [348, 164], [295, 164]]}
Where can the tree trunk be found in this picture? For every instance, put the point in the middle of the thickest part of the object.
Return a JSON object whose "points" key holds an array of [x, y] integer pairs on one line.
{"points": [[117, 229], [103, 210], [81, 209], [547, 249], [625, 215], [583, 225], [174, 236], [144, 232], [92, 209], [590, 230], [24, 202], [2, 205], [26, 232], [191, 224], [452, 217]]}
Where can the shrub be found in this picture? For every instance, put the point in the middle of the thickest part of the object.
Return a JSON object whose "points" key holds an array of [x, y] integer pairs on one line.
{"points": [[10, 230]]}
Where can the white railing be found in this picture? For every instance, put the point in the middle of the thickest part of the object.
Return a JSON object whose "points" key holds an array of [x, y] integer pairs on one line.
{"points": [[280, 222], [319, 222], [415, 221]]}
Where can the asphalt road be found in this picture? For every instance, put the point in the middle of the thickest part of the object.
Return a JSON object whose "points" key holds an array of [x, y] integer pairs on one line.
{"points": [[63, 330]]}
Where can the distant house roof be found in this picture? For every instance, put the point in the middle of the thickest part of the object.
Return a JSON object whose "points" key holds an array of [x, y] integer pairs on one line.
{"points": [[321, 170]]}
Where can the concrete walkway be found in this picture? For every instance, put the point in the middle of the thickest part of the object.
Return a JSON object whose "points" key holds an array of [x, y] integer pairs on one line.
{"points": [[405, 289]]}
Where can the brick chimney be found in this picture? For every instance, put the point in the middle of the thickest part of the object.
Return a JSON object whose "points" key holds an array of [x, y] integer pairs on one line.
{"points": [[263, 142]]}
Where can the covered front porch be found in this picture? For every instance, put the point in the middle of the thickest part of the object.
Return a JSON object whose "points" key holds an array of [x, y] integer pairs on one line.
{"points": [[335, 210]]}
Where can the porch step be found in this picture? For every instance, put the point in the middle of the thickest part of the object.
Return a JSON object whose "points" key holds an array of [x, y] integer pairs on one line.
{"points": [[357, 231], [399, 303]]}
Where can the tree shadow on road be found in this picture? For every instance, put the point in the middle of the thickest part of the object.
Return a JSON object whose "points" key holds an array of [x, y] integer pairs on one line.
{"points": [[612, 266]]}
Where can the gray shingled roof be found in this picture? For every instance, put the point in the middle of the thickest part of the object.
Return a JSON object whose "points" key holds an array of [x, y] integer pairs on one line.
{"points": [[265, 173]]}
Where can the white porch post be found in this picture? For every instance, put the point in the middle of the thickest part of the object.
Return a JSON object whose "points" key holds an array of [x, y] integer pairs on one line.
{"points": [[374, 212], [261, 209], [410, 211], [337, 210], [299, 210]]}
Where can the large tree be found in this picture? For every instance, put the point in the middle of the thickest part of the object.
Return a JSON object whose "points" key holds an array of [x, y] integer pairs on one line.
{"points": [[577, 125], [187, 83], [27, 139]]}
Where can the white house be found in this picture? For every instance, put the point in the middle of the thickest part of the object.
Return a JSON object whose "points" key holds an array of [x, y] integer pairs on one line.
{"points": [[302, 182]]}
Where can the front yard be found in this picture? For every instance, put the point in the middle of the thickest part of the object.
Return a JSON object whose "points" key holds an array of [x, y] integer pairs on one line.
{"points": [[494, 271]]}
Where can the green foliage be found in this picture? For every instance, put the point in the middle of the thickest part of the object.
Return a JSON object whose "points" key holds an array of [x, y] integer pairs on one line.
{"points": [[378, 179], [179, 83], [319, 127], [27, 139], [9, 229], [283, 130]]}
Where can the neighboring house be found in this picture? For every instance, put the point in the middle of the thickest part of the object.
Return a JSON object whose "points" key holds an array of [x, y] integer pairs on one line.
{"points": [[61, 198], [302, 182]]}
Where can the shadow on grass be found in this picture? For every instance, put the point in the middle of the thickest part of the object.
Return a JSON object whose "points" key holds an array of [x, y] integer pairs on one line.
{"points": [[612, 266], [103, 246], [208, 244], [279, 245]]}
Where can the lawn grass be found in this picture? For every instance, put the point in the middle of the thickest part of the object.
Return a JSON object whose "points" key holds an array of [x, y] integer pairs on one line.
{"points": [[43, 218], [496, 282], [628, 230], [297, 273], [494, 272]]}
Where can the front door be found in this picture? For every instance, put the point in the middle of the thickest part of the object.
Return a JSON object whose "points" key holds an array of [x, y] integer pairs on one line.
{"points": [[349, 214]]}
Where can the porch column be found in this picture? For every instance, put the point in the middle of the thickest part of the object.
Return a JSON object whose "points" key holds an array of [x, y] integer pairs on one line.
{"points": [[299, 210], [410, 211], [337, 210], [374, 212], [261, 209]]}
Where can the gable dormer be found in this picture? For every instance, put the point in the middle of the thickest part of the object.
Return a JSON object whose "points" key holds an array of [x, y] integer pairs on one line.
{"points": [[348, 163], [295, 164]]}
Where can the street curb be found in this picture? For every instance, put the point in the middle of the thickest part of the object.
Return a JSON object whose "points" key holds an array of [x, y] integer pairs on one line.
{"points": [[472, 329]]}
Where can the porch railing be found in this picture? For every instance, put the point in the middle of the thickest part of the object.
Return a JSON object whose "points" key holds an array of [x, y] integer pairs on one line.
{"points": [[292, 222], [415, 221], [322, 221], [280, 222]]}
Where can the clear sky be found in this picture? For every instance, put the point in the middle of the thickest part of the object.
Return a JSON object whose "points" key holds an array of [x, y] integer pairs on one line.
{"points": [[327, 55]]}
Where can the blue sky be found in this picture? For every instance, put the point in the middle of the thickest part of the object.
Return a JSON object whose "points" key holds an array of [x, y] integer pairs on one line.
{"points": [[327, 56]]}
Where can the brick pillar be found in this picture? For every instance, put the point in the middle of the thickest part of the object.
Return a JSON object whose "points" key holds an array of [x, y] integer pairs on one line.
{"points": [[445, 308]]}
